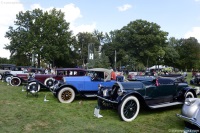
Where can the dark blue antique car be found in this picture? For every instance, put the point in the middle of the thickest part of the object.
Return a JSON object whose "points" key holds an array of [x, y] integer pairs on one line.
{"points": [[86, 86], [127, 97]]}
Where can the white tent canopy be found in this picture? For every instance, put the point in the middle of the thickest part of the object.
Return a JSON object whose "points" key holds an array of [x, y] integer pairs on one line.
{"points": [[157, 66]]}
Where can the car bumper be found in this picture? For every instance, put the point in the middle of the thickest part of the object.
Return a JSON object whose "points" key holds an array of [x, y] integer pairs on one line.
{"points": [[107, 100], [190, 120]]}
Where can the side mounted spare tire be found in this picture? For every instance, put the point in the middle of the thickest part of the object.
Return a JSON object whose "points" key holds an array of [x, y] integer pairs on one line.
{"points": [[33, 85], [7, 79], [49, 82], [66, 95], [15, 81]]}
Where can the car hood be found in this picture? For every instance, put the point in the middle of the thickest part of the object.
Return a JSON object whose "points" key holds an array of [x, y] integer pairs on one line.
{"points": [[135, 85]]}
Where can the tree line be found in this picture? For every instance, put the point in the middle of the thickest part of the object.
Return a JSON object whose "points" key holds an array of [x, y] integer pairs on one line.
{"points": [[41, 37]]}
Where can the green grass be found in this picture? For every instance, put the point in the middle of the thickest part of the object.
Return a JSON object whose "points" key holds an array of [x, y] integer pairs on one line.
{"points": [[21, 114]]}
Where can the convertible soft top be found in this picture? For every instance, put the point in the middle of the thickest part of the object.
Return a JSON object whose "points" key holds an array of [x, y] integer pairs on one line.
{"points": [[108, 71]]}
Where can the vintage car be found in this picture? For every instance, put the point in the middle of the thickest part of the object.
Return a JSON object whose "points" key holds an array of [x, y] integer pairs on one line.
{"points": [[86, 86], [5, 68], [46, 81], [18, 79], [195, 79], [127, 97], [13, 71], [190, 113], [180, 77]]}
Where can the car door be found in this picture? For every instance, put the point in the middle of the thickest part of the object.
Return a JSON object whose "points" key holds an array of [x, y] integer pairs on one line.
{"points": [[162, 92], [96, 79]]}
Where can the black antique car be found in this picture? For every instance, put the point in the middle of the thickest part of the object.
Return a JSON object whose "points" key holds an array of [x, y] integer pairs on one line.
{"points": [[127, 97]]}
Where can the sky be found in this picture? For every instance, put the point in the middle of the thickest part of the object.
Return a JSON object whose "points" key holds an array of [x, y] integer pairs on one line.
{"points": [[180, 18]]}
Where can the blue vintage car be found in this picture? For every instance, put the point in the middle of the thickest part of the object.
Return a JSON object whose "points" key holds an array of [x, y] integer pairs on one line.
{"points": [[86, 86], [128, 97]]}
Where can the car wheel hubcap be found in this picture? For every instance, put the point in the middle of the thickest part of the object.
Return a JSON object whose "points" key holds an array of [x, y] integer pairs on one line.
{"points": [[130, 109], [15, 82], [66, 95]]}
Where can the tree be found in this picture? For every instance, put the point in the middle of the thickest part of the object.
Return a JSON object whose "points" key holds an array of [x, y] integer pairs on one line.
{"points": [[142, 40], [45, 35], [81, 47], [189, 51], [100, 61], [4, 61], [172, 56]]}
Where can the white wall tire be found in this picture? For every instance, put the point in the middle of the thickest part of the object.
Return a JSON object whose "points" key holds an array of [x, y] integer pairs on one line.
{"points": [[7, 79], [66, 95], [15, 81], [129, 109], [189, 95], [33, 84], [1, 76], [49, 82]]}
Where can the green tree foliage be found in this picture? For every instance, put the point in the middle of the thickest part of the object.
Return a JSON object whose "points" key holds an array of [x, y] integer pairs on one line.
{"points": [[142, 40], [81, 47], [139, 44], [4, 61], [100, 61], [189, 51], [172, 56], [44, 34]]}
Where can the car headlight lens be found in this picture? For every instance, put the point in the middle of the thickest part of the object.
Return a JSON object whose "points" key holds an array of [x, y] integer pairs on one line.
{"points": [[189, 101], [120, 92], [105, 92], [99, 86]]}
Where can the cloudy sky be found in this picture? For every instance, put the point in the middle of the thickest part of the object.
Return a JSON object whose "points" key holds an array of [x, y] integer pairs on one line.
{"points": [[180, 18]]}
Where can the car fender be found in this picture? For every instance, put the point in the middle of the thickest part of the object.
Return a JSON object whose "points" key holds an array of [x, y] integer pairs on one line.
{"points": [[40, 83], [17, 77], [183, 92], [136, 94], [66, 85]]}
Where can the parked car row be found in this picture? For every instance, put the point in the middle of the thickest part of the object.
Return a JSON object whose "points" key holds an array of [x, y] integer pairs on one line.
{"points": [[126, 97]]}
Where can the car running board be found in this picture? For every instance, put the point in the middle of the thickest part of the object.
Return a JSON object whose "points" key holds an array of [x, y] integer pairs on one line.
{"points": [[90, 95], [165, 105]]}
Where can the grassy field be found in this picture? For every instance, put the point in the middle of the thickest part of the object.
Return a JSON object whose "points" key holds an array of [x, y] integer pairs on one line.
{"points": [[21, 114]]}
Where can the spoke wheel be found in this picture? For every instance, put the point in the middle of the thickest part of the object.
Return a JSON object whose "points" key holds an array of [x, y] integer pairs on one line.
{"points": [[49, 82], [129, 109], [15, 81], [33, 86], [66, 95]]}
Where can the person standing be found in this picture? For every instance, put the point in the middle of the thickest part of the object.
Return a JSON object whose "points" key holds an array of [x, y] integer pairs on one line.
{"points": [[113, 75]]}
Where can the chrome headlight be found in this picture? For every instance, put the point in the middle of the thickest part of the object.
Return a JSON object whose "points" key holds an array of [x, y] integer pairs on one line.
{"points": [[120, 92], [189, 101], [105, 93], [99, 86]]}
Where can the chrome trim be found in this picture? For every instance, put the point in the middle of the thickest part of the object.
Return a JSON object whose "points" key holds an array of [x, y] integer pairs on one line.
{"points": [[107, 100], [190, 120]]}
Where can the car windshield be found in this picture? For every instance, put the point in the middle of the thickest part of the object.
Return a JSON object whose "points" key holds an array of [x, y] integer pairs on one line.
{"points": [[96, 75]]}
